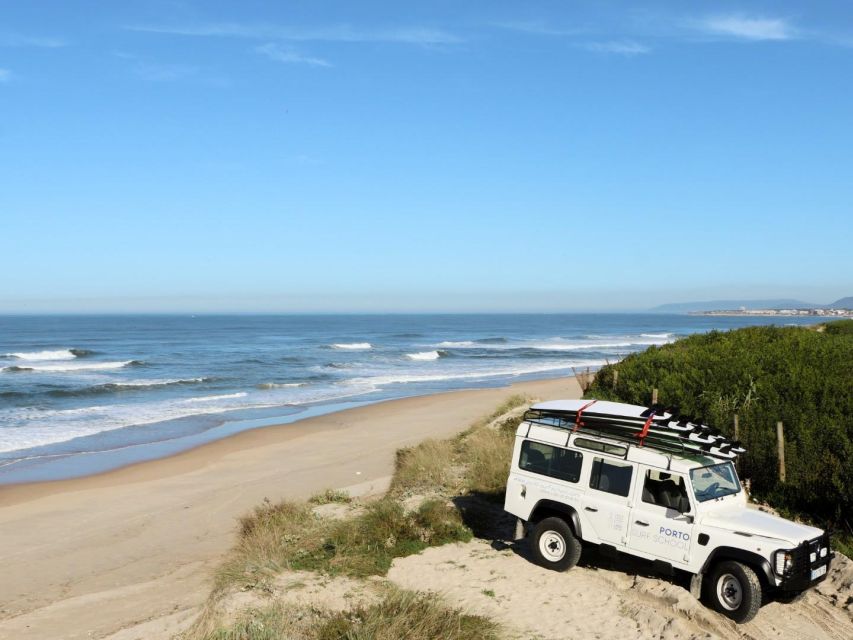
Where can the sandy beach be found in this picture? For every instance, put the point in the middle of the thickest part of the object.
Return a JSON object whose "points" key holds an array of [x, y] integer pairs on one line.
{"points": [[88, 557]]}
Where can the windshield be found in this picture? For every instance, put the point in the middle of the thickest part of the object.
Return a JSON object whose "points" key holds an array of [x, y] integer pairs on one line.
{"points": [[715, 481]]}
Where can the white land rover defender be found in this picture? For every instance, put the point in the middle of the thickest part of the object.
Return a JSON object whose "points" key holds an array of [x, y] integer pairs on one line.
{"points": [[652, 484]]}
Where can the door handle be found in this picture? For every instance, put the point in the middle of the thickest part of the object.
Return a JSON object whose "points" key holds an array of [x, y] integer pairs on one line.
{"points": [[590, 509], [641, 523]]}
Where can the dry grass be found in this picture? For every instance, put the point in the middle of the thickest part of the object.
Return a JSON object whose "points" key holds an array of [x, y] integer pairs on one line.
{"points": [[278, 537], [291, 536], [405, 614], [487, 454], [400, 614], [426, 467], [330, 496], [476, 461]]}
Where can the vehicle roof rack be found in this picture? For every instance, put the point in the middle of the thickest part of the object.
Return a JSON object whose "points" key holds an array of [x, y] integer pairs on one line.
{"points": [[655, 427]]}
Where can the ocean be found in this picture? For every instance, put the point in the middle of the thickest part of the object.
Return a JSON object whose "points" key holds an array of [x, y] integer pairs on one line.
{"points": [[81, 394]]}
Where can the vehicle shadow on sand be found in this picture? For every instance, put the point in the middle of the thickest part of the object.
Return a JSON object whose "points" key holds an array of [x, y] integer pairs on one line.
{"points": [[485, 516]]}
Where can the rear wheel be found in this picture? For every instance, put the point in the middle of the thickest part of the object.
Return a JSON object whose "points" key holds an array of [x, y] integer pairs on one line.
{"points": [[555, 546], [734, 590]]}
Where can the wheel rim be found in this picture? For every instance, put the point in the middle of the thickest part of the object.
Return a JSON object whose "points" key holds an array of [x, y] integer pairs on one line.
{"points": [[552, 545], [729, 591]]}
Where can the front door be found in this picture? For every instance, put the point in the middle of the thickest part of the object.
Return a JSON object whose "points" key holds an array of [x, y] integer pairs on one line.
{"points": [[607, 503], [660, 525]]}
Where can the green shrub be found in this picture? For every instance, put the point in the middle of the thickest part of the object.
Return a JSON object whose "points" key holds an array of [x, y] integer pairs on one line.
{"points": [[795, 375], [839, 328]]}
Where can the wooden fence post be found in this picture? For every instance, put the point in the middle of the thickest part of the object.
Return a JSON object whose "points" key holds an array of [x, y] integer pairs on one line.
{"points": [[737, 437], [780, 443], [615, 377], [654, 396]]}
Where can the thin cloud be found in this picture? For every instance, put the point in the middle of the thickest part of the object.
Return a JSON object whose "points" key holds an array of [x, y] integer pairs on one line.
{"points": [[19, 40], [5, 75], [338, 33], [619, 47], [747, 28], [157, 71], [290, 56], [536, 28]]}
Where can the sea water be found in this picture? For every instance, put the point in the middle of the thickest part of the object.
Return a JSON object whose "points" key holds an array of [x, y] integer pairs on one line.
{"points": [[75, 386]]}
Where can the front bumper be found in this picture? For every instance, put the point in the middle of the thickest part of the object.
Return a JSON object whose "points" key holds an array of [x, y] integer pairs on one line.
{"points": [[810, 565]]}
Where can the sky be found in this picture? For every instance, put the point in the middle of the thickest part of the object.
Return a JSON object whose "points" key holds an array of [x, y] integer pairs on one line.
{"points": [[423, 156]]}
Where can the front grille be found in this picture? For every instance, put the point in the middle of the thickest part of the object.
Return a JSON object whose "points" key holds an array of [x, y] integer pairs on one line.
{"points": [[807, 557]]}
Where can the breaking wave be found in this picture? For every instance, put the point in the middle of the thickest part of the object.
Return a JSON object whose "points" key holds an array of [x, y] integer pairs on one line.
{"points": [[73, 366], [223, 396], [280, 385], [352, 346], [426, 355], [36, 356], [403, 378], [117, 387]]}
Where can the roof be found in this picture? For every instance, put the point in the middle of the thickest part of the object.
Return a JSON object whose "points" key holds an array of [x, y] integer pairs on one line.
{"points": [[643, 453], [601, 406]]}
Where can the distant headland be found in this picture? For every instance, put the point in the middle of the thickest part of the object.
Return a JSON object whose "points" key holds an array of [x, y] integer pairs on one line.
{"points": [[842, 307]]}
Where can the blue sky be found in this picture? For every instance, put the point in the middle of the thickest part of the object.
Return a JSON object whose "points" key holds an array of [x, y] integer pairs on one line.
{"points": [[418, 156]]}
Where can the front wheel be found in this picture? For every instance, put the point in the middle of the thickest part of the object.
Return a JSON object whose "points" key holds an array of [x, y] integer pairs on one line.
{"points": [[735, 591], [555, 547]]}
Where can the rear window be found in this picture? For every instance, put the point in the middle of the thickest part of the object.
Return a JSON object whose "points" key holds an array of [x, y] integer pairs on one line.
{"points": [[551, 461], [611, 477]]}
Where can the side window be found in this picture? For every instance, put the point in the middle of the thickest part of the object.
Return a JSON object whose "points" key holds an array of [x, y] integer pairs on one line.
{"points": [[555, 462], [666, 490], [610, 477]]}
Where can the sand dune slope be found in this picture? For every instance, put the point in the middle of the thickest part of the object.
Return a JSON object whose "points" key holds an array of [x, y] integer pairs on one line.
{"points": [[600, 599]]}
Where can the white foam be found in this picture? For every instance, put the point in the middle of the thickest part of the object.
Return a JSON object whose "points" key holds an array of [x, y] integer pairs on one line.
{"points": [[35, 356], [281, 385], [224, 396], [155, 383], [562, 344], [620, 342], [424, 355], [404, 378], [32, 426], [69, 366], [353, 346]]}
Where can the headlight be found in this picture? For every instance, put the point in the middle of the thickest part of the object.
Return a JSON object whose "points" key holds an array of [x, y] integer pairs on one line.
{"points": [[783, 562]]}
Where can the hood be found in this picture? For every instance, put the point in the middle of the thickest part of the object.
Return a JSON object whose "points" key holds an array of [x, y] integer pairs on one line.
{"points": [[759, 523]]}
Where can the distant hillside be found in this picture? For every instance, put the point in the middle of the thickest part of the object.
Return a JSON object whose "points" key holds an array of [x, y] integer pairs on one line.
{"points": [[843, 303], [725, 305]]}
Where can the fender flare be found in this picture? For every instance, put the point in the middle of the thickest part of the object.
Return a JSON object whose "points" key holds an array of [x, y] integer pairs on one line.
{"points": [[544, 508], [754, 560]]}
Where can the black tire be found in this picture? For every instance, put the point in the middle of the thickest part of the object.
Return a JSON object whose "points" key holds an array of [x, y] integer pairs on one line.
{"points": [[734, 590], [554, 545]]}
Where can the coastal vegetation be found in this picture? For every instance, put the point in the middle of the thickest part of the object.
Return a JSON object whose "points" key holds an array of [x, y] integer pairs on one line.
{"points": [[800, 376], [442, 491], [399, 614]]}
